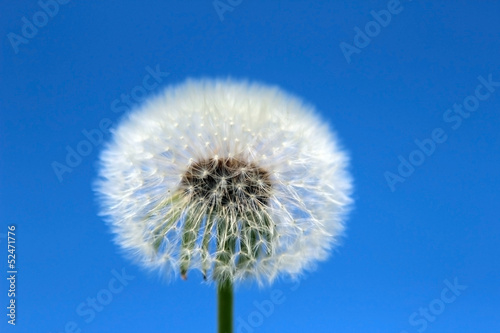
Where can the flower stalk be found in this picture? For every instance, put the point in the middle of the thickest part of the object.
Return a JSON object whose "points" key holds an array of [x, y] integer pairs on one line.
{"points": [[225, 306]]}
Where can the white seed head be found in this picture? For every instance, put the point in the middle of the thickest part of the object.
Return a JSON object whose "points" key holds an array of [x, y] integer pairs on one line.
{"points": [[237, 180]]}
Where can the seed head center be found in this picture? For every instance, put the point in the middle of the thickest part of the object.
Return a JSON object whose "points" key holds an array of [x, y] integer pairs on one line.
{"points": [[227, 182]]}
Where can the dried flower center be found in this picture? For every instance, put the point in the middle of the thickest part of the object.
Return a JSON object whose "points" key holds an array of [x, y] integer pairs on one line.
{"points": [[227, 182]]}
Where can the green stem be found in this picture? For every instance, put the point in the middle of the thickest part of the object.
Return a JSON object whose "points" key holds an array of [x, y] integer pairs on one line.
{"points": [[225, 305]]}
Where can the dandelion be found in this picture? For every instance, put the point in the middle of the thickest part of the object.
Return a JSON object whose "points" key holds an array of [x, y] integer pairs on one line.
{"points": [[238, 181]]}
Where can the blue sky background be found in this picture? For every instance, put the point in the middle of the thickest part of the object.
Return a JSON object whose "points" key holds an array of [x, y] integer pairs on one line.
{"points": [[440, 224]]}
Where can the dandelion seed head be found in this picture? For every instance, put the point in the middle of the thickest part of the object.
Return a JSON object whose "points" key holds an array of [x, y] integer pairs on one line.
{"points": [[239, 181]]}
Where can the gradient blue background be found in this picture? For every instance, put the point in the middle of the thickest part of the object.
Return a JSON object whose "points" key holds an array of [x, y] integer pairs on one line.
{"points": [[442, 223]]}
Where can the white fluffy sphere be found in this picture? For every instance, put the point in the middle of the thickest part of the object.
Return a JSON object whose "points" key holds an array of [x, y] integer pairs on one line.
{"points": [[237, 180]]}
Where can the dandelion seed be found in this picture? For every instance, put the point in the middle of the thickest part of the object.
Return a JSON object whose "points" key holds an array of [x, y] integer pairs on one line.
{"points": [[236, 180]]}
